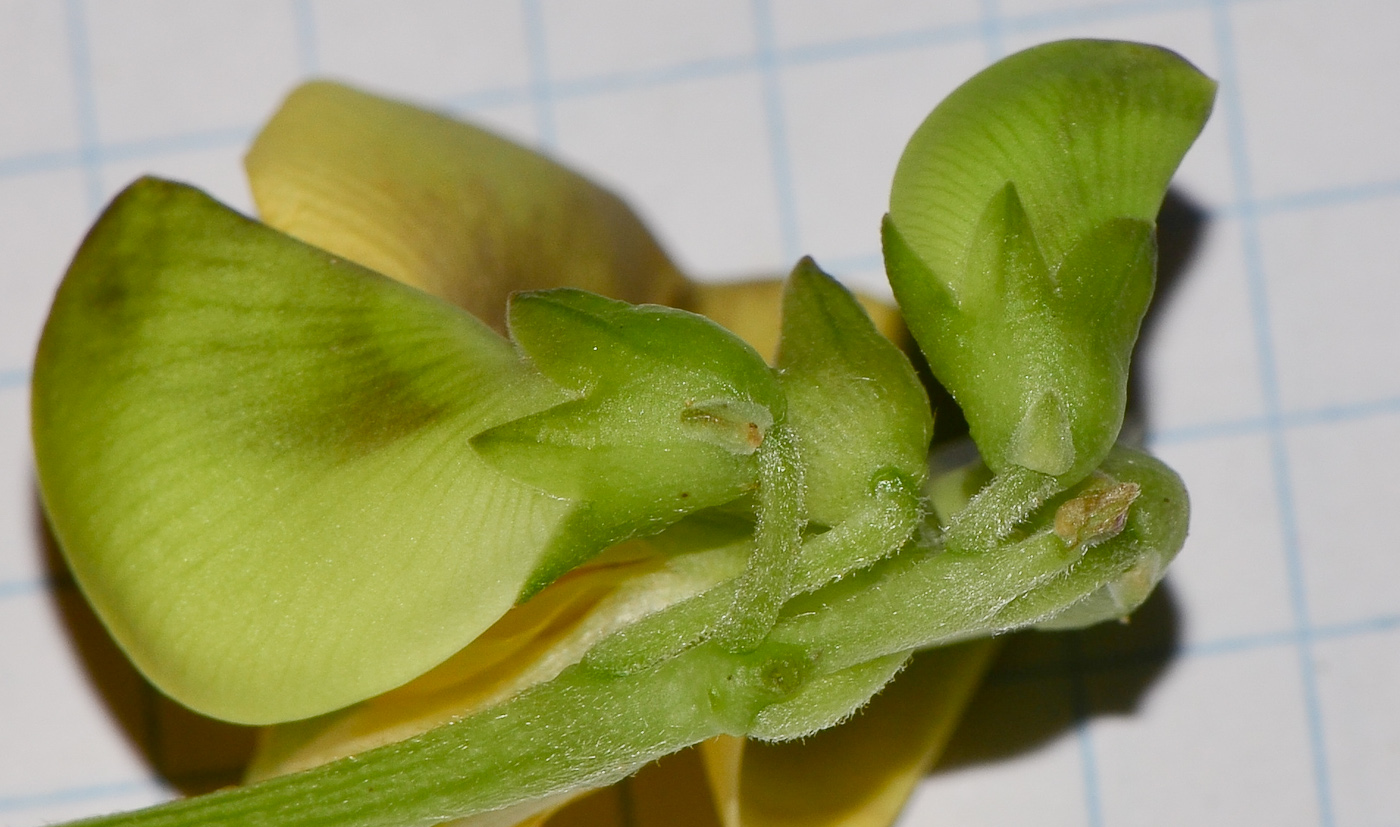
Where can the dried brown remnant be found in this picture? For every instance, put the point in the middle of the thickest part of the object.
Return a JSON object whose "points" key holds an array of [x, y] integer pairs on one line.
{"points": [[724, 423], [1097, 515], [754, 435]]}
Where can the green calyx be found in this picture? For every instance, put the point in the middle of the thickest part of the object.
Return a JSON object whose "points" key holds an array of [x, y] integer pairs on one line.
{"points": [[829, 651], [666, 415]]}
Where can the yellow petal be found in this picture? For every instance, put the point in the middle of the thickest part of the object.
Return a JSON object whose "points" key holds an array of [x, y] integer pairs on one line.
{"points": [[752, 310], [599, 808], [670, 793], [446, 207], [857, 774], [724, 762]]}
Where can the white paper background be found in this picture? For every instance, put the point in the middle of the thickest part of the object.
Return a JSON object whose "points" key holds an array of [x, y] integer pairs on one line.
{"points": [[1259, 689]]}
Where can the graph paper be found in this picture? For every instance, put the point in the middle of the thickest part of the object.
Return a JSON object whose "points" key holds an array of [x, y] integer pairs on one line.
{"points": [[1258, 688]]}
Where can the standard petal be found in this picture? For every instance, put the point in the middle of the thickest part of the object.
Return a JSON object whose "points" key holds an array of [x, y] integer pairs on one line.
{"points": [[446, 207]]}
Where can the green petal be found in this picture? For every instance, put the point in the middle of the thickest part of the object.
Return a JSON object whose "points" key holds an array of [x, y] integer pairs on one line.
{"points": [[446, 207], [1088, 131], [1020, 239], [256, 459]]}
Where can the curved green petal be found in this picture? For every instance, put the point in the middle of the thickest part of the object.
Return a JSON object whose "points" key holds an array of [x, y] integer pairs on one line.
{"points": [[256, 459], [1020, 240], [446, 207]]}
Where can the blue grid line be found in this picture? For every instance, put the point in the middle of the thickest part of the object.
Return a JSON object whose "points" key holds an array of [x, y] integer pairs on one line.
{"points": [[74, 795], [1329, 415], [916, 39], [1093, 806], [1327, 197], [125, 150], [1335, 631], [304, 23], [541, 91], [1065, 18], [38, 585], [1374, 625], [1233, 111], [84, 100], [1077, 668], [1334, 414], [1206, 431], [1268, 640], [494, 97], [31, 163], [881, 44], [38, 162], [17, 378], [779, 157], [52, 161], [1226, 646], [185, 142], [991, 30], [1083, 733], [25, 588], [846, 264], [687, 71], [622, 81]]}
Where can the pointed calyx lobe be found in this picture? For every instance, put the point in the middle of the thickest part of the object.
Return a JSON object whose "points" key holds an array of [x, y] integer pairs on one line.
{"points": [[1020, 240], [666, 416], [858, 407]]}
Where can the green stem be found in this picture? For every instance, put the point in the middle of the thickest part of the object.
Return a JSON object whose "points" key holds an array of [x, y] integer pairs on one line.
{"points": [[589, 727], [928, 597], [583, 729], [873, 533], [764, 586], [885, 523], [1008, 499]]}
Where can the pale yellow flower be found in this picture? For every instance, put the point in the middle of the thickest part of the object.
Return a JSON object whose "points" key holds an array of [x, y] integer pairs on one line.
{"points": [[470, 217]]}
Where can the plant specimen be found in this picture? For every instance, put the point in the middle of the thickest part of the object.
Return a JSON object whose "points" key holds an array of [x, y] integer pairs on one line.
{"points": [[321, 473]]}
